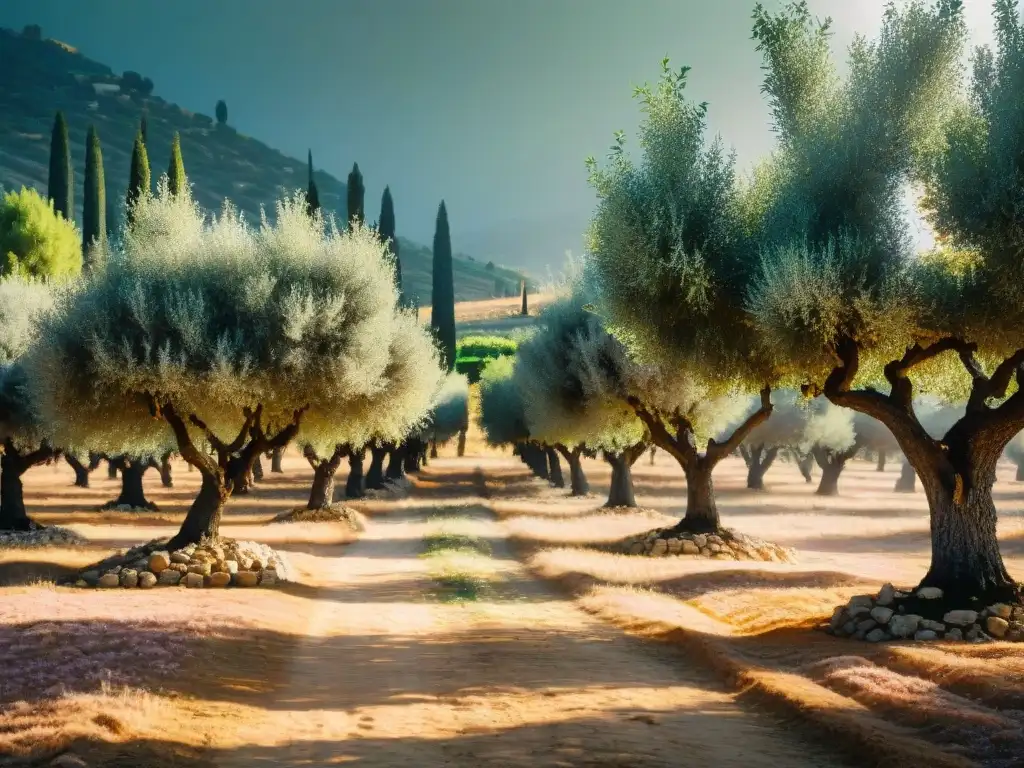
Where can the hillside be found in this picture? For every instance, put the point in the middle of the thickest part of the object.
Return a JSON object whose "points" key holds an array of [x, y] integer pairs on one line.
{"points": [[39, 77]]}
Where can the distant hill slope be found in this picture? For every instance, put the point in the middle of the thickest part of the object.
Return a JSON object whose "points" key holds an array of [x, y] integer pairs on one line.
{"points": [[39, 77]]}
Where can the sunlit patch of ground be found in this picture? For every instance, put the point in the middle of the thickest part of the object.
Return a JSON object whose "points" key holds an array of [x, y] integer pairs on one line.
{"points": [[753, 621]]}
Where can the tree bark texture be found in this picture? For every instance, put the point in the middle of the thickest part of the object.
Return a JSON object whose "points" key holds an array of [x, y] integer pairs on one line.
{"points": [[81, 471], [321, 493], [354, 484], [166, 475], [832, 464], [554, 468], [275, 460], [257, 468], [375, 474], [396, 462], [132, 493], [13, 516], [578, 485], [620, 493]]}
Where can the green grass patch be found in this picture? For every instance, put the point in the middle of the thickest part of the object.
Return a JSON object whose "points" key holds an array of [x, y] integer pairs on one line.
{"points": [[458, 563]]}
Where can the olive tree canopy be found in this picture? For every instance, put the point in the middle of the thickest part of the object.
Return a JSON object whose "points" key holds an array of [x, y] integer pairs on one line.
{"points": [[841, 297], [502, 415], [221, 331], [450, 412]]}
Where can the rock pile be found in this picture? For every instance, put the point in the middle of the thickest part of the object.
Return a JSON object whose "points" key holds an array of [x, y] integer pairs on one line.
{"points": [[210, 564], [886, 617], [40, 536], [724, 545], [332, 514]]}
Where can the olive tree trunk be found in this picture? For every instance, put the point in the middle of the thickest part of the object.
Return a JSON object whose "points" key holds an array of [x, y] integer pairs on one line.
{"points": [[433, 449], [832, 464], [375, 474], [880, 466], [13, 464], [805, 464], [166, 476], [461, 451], [554, 468], [411, 457], [275, 460], [701, 510], [907, 481], [759, 459], [111, 468], [81, 471], [396, 462], [1020, 471], [132, 493], [321, 492], [578, 484], [257, 468], [354, 488], [620, 492]]}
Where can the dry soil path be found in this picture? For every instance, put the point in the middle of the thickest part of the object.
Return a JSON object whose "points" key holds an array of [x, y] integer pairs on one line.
{"points": [[391, 676]]}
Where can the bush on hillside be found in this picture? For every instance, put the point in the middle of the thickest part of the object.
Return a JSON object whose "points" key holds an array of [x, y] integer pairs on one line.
{"points": [[34, 240]]}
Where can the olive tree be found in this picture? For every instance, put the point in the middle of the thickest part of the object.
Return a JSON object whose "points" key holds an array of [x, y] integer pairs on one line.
{"points": [[875, 437], [670, 252], [839, 296], [562, 408], [783, 431], [218, 332], [398, 404], [829, 436], [24, 434], [449, 416]]}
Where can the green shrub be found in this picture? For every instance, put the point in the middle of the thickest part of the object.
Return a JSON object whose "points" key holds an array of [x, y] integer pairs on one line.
{"points": [[470, 367], [484, 347], [34, 240]]}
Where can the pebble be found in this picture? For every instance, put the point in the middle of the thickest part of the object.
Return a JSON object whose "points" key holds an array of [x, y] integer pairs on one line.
{"points": [[219, 579], [193, 580], [108, 580], [147, 580], [929, 593], [961, 618], [881, 614]]}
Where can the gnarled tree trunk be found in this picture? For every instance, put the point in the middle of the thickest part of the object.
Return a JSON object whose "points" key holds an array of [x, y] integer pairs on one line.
{"points": [[578, 484], [620, 493], [880, 466], [701, 510], [81, 471], [166, 476], [132, 493], [462, 443], [411, 457], [832, 464], [13, 464], [805, 464], [375, 474], [112, 467], [321, 492], [396, 462], [759, 460], [257, 468], [354, 484], [275, 460], [433, 449], [907, 481], [554, 468]]}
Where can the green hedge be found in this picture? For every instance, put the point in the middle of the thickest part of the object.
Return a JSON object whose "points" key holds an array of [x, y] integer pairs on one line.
{"points": [[484, 346]]}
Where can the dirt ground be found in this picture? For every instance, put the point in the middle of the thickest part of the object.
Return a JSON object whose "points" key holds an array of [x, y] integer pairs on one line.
{"points": [[552, 662]]}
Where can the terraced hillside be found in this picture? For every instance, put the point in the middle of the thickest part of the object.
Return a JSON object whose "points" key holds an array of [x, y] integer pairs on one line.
{"points": [[39, 77]]}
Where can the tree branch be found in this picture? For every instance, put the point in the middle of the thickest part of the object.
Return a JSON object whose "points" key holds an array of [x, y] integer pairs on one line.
{"points": [[186, 447], [660, 435], [896, 371], [717, 451]]}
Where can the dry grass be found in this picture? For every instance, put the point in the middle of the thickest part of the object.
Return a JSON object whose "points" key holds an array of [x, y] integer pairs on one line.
{"points": [[754, 621], [488, 309]]}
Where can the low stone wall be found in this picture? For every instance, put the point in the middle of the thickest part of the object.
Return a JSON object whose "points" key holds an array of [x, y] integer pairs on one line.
{"points": [[882, 617], [724, 545], [41, 536], [219, 564]]}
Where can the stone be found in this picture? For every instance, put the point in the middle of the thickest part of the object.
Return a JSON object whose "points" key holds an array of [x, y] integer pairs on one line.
{"points": [[904, 626], [929, 593], [961, 618], [881, 615], [636, 548], [1002, 610], [838, 618], [257, 564], [129, 578], [974, 635], [866, 625], [218, 579], [700, 539], [147, 580], [169, 577], [202, 569], [193, 580], [179, 567], [81, 583], [715, 539], [876, 635], [231, 566], [268, 577], [68, 760], [860, 604], [955, 634], [108, 580], [996, 626], [714, 547], [246, 579], [849, 628], [91, 577], [934, 626], [926, 634], [660, 547], [886, 595], [158, 561], [181, 557], [674, 547]]}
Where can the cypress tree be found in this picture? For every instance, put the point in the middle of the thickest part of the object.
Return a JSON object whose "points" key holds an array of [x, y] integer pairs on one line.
{"points": [[61, 185], [176, 167], [138, 179], [442, 309], [386, 229], [312, 194], [525, 310], [144, 130], [356, 193], [94, 203]]}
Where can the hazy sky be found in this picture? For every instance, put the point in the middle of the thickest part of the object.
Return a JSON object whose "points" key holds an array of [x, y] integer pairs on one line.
{"points": [[490, 104]]}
